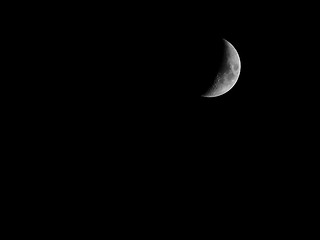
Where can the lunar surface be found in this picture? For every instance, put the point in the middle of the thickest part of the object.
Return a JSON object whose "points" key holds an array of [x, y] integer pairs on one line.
{"points": [[228, 74]]}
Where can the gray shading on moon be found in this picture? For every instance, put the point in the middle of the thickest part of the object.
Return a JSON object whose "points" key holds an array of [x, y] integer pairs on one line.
{"points": [[228, 74]]}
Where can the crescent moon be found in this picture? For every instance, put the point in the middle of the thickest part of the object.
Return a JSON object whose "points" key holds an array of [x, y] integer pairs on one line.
{"points": [[226, 80]]}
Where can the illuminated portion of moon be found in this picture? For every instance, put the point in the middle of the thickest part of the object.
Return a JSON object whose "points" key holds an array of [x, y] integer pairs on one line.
{"points": [[226, 80]]}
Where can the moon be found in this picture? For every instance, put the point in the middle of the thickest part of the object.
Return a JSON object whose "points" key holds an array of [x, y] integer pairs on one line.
{"points": [[228, 74]]}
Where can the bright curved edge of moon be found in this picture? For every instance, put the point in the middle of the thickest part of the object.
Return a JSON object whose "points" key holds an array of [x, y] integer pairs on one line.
{"points": [[234, 59]]}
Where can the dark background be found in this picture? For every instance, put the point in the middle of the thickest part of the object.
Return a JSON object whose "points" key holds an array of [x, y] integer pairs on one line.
{"points": [[136, 72], [105, 105]]}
